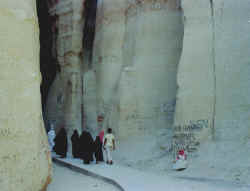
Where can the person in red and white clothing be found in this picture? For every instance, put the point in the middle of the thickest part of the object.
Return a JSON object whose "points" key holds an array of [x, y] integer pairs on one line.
{"points": [[181, 161]]}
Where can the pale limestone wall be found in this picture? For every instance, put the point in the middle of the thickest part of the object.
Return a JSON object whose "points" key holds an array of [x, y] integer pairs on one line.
{"points": [[108, 60], [24, 147], [232, 47], [195, 77], [64, 104], [136, 54], [157, 47], [90, 102], [213, 74], [137, 50]]}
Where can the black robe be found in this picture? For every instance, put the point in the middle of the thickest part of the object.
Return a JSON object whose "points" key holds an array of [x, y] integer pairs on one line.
{"points": [[86, 147], [75, 139], [61, 143], [98, 149]]}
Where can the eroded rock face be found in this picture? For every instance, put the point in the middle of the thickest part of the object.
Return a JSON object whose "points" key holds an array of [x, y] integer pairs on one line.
{"points": [[64, 104], [232, 69], [90, 102], [137, 50], [213, 74], [158, 30], [24, 147], [108, 60], [142, 53], [195, 77]]}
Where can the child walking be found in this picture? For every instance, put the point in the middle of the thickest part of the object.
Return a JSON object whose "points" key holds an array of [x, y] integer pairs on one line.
{"points": [[109, 145]]}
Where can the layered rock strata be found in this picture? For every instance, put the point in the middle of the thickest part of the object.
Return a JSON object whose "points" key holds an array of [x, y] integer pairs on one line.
{"points": [[24, 147]]}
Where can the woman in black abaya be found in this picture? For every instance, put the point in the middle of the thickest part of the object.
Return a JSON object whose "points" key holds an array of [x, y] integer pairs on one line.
{"points": [[75, 144], [86, 147], [98, 150], [61, 143]]}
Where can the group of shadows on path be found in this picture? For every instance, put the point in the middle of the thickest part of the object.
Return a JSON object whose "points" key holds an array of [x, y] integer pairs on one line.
{"points": [[83, 146]]}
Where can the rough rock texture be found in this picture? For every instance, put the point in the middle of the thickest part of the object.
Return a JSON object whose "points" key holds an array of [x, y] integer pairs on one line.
{"points": [[213, 75], [64, 104], [158, 66], [137, 50], [107, 53], [90, 102], [158, 30], [232, 68], [24, 147], [196, 93]]}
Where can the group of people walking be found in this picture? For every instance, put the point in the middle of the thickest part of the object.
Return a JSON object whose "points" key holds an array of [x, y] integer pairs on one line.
{"points": [[84, 146]]}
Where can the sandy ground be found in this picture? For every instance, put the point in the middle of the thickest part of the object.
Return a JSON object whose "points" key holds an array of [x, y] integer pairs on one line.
{"points": [[67, 180], [144, 163], [228, 162], [131, 179]]}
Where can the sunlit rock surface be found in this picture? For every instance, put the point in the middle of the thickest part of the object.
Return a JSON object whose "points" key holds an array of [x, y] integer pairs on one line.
{"points": [[24, 154], [137, 50], [170, 69], [213, 75], [195, 77], [108, 58]]}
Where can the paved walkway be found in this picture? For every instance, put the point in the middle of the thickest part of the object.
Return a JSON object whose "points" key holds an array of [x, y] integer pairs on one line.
{"points": [[133, 180], [65, 179]]}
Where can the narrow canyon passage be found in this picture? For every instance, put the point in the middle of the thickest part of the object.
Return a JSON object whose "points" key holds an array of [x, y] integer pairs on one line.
{"points": [[99, 70], [165, 75], [134, 64]]}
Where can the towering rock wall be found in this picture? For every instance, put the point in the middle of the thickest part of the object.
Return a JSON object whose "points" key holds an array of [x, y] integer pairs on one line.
{"points": [[64, 105], [108, 58], [24, 147], [90, 103], [213, 74], [195, 77], [158, 32], [137, 50], [139, 54], [232, 69]]}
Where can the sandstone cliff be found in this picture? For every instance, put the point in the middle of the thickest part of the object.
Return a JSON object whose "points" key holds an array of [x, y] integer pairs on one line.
{"points": [[64, 103], [174, 70], [24, 147], [213, 74], [136, 51], [212, 110]]}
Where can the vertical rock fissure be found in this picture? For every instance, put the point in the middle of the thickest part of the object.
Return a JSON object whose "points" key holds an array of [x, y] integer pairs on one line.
{"points": [[214, 67], [48, 66], [90, 8]]}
